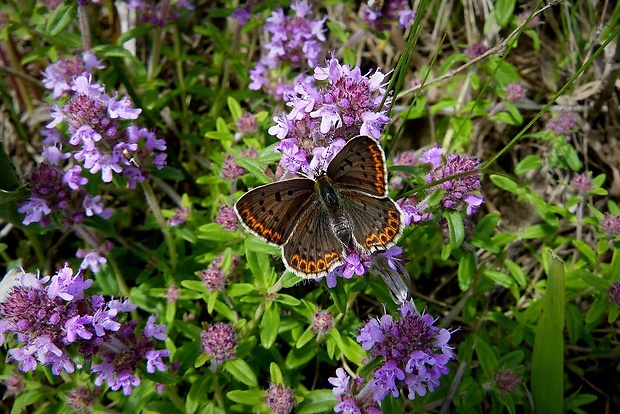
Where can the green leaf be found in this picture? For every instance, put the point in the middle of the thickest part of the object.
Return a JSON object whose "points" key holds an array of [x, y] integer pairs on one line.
{"points": [[516, 272], [531, 162], [548, 353], [504, 10], [500, 278], [269, 325], [198, 393], [467, 266], [351, 350], [298, 357], [241, 371], [257, 245], [574, 322], [455, 227], [235, 109], [246, 397], [305, 337], [585, 250], [442, 104], [507, 118], [59, 20], [214, 231], [26, 398], [486, 356], [276, 374], [317, 401]]}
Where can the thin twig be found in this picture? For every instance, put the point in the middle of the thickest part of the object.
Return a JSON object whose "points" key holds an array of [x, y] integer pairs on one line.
{"points": [[492, 51]]}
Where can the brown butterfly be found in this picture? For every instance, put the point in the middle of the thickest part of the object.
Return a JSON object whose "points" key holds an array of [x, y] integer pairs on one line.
{"points": [[314, 221]]}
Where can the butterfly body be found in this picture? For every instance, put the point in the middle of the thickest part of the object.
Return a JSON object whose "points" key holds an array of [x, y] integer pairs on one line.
{"points": [[315, 221]]}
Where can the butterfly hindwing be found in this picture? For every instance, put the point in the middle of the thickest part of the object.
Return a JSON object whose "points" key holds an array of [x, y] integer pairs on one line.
{"points": [[376, 223], [313, 250], [272, 211], [360, 165]]}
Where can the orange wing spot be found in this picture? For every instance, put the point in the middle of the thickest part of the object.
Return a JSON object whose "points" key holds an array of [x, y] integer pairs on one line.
{"points": [[379, 164], [268, 234], [388, 234], [311, 267]]}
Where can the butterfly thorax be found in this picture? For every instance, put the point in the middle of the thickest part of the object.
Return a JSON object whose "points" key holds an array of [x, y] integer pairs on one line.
{"points": [[331, 199]]}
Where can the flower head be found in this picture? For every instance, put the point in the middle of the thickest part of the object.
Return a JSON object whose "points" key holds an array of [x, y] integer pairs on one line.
{"points": [[54, 321], [563, 123], [383, 15], [220, 342], [614, 293], [459, 191], [280, 399], [582, 183], [323, 117], [98, 139], [506, 381], [295, 42], [414, 352], [55, 190], [476, 50], [610, 225], [322, 321], [227, 218], [514, 92], [59, 75]]}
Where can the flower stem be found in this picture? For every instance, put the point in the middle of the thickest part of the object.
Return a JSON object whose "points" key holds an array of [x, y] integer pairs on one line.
{"points": [[159, 217]]}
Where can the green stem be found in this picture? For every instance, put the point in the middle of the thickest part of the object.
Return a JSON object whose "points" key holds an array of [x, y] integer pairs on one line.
{"points": [[159, 217], [119, 277], [155, 52]]}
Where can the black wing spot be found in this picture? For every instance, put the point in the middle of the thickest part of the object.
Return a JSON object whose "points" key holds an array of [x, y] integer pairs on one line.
{"points": [[290, 192], [277, 195]]}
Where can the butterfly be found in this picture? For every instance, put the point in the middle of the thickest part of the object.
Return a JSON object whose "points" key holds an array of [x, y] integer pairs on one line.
{"points": [[315, 221]]}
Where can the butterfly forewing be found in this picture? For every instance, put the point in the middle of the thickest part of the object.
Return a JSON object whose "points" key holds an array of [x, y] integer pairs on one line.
{"points": [[272, 210], [360, 165], [376, 223], [313, 249]]}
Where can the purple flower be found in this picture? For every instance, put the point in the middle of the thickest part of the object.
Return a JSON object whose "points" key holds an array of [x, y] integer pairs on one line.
{"points": [[582, 183], [610, 225], [231, 170], [92, 259], [280, 399], [47, 315], [459, 191], [80, 399], [388, 14], [415, 353], [322, 322], [220, 342], [506, 381], [476, 50], [293, 41], [14, 384], [324, 116], [514, 92], [614, 293], [563, 123], [180, 216], [151, 330], [159, 13], [98, 138], [59, 75], [241, 15], [247, 124]]}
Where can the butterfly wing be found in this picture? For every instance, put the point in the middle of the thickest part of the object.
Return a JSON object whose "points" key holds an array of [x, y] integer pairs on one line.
{"points": [[313, 250], [376, 223], [271, 211], [360, 165]]}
